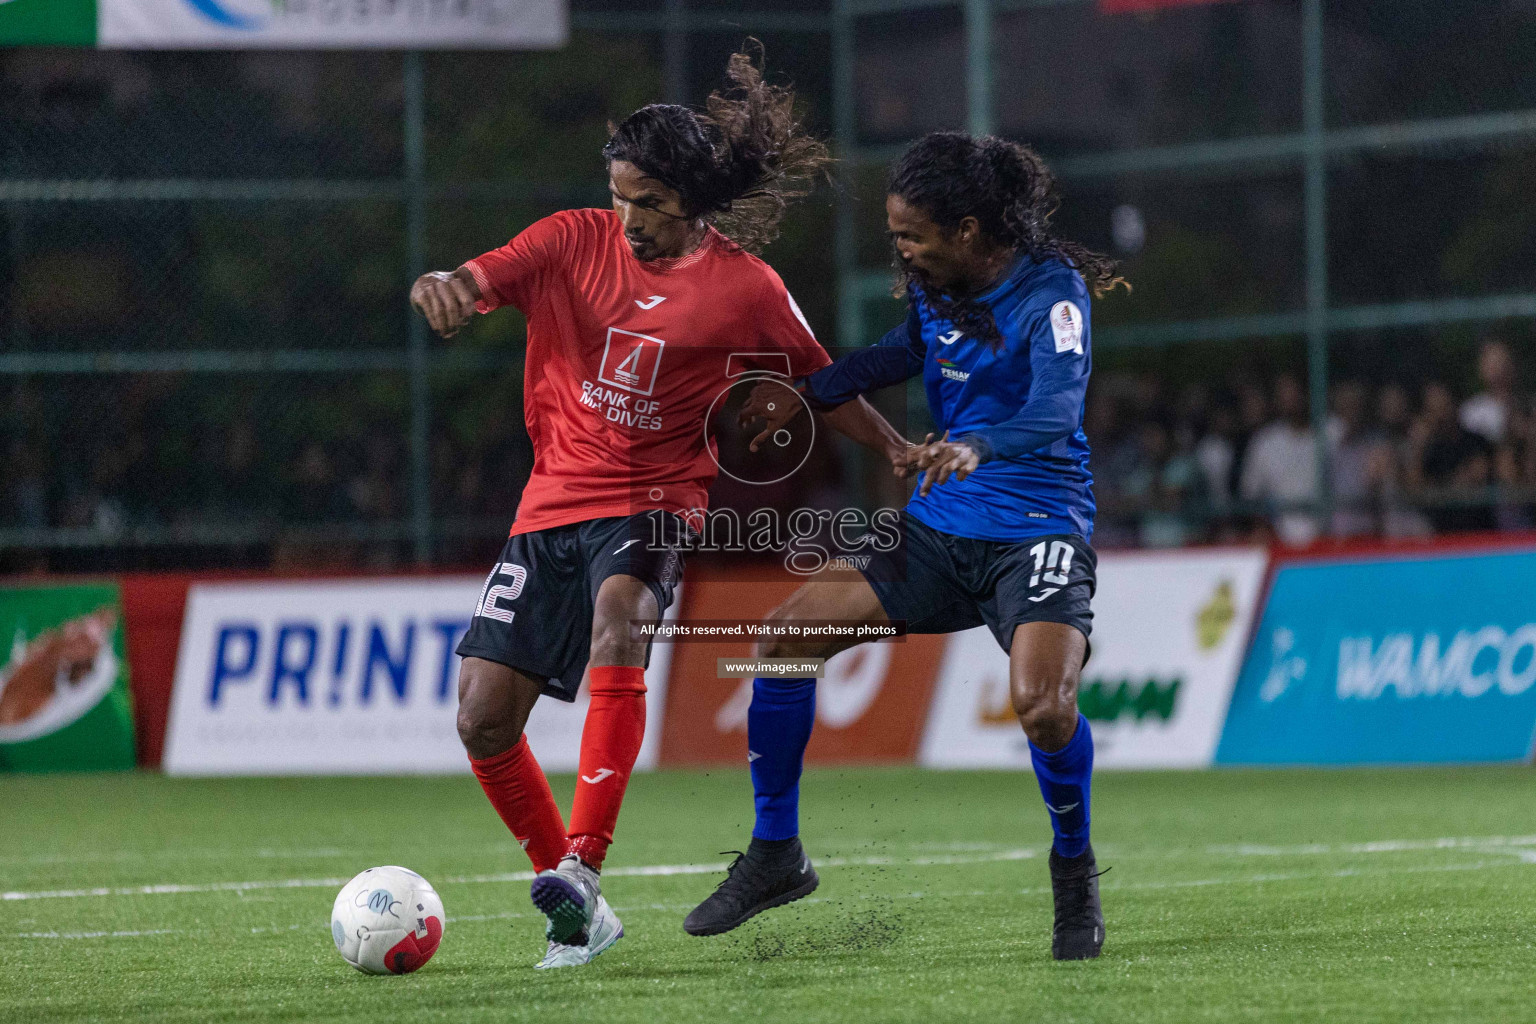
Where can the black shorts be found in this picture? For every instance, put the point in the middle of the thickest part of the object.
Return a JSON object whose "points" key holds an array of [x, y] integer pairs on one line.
{"points": [[535, 610], [939, 583]]}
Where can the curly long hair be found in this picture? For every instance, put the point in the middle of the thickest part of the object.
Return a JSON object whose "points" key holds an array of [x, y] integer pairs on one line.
{"points": [[738, 163], [1010, 192]]}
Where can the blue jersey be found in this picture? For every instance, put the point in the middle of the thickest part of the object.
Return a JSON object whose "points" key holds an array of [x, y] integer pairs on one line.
{"points": [[1020, 407]]}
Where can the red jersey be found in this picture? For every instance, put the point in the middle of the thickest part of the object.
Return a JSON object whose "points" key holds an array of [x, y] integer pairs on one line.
{"points": [[626, 361]]}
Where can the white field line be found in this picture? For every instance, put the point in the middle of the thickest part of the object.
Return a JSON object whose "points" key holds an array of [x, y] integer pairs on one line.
{"points": [[1195, 883], [1516, 845], [639, 870], [1379, 846], [936, 848], [97, 935], [263, 853], [1519, 846], [320, 853]]}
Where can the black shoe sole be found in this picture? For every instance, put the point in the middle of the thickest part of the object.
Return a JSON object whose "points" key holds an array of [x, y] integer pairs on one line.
{"points": [[778, 901]]}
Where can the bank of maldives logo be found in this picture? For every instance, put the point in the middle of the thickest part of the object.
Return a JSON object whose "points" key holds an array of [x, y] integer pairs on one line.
{"points": [[631, 361], [241, 15]]}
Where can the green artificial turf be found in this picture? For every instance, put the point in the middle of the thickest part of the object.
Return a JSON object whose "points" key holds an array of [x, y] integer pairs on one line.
{"points": [[1330, 896]]}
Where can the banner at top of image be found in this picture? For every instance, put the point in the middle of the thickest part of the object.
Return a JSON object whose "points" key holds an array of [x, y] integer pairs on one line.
{"points": [[294, 24], [1391, 661]]}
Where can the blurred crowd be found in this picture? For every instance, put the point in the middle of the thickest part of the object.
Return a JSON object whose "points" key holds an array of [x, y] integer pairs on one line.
{"points": [[1174, 464], [1236, 463], [247, 489]]}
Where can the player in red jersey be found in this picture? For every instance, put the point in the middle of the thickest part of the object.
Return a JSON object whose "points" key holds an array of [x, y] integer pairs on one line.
{"points": [[637, 319]]}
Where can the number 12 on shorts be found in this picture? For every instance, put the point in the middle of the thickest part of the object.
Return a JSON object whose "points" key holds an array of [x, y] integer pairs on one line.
{"points": [[494, 594]]}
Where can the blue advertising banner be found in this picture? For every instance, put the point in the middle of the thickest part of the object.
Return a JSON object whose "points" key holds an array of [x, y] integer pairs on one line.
{"points": [[1391, 662]]}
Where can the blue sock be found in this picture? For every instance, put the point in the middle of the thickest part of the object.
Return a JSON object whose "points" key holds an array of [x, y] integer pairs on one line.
{"points": [[1065, 778], [778, 728]]}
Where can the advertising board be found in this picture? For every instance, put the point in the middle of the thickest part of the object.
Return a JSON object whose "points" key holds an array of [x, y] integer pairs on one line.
{"points": [[291, 24], [342, 677], [1407, 660], [1169, 632], [64, 682]]}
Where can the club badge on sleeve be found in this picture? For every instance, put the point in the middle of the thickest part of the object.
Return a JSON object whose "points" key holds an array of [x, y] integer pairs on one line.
{"points": [[1067, 327]]}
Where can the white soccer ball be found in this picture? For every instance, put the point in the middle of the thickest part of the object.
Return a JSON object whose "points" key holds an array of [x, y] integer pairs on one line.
{"points": [[387, 920]]}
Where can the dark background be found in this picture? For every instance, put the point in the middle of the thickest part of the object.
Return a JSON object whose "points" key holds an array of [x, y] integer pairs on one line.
{"points": [[141, 252]]}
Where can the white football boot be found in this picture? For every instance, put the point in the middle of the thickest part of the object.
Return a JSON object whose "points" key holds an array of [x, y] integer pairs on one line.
{"points": [[604, 931], [568, 897]]}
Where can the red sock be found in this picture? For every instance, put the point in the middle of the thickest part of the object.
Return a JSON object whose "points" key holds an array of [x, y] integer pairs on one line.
{"points": [[520, 793], [610, 742]]}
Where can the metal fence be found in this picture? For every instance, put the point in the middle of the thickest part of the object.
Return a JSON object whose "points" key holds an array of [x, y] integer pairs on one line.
{"points": [[207, 356]]}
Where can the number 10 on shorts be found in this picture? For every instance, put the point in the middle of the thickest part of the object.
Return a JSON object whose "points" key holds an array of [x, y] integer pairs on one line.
{"points": [[1053, 563]]}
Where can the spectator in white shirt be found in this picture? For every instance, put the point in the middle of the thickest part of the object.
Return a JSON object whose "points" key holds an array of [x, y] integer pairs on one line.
{"points": [[1280, 467], [1489, 411], [1216, 453]]}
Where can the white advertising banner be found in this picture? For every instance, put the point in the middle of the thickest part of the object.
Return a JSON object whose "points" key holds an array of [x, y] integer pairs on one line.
{"points": [[325, 24], [345, 678], [1169, 631]]}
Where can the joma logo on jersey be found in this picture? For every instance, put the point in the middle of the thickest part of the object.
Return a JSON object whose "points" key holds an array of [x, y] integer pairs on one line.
{"points": [[631, 361]]}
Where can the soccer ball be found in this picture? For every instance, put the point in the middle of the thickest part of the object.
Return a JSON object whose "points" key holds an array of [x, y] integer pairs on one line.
{"points": [[387, 920]]}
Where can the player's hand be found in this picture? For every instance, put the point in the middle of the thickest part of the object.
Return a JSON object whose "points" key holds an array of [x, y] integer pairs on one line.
{"points": [[446, 299], [775, 403], [900, 457], [939, 460]]}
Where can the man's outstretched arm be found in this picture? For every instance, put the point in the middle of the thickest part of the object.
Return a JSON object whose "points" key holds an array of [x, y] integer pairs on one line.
{"points": [[837, 390], [446, 299], [859, 421], [774, 403], [890, 360]]}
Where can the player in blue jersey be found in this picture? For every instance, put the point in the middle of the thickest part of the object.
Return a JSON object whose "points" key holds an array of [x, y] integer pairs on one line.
{"points": [[998, 529]]}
